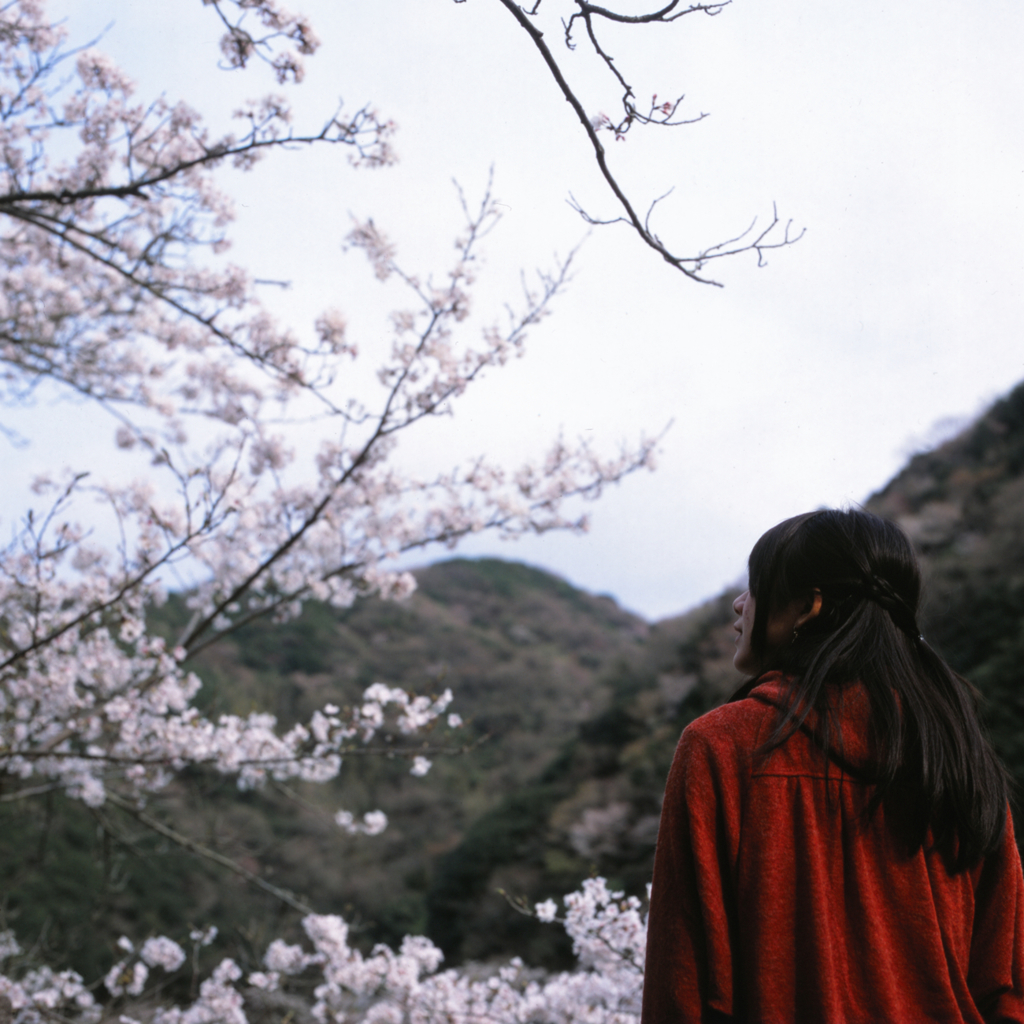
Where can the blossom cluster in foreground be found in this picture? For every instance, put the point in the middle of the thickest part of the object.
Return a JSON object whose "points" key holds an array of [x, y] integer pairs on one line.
{"points": [[386, 987]]}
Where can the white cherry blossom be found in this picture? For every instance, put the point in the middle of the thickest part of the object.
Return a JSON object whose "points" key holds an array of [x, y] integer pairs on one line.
{"points": [[109, 212]]}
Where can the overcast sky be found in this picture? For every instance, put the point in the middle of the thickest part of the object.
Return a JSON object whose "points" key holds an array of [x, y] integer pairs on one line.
{"points": [[891, 132]]}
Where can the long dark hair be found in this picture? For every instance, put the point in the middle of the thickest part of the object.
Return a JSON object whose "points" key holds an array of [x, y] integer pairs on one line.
{"points": [[933, 766]]}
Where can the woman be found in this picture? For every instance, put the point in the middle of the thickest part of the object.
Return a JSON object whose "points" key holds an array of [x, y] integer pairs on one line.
{"points": [[834, 842]]}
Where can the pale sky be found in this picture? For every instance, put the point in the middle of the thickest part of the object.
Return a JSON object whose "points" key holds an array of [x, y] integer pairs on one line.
{"points": [[892, 132]]}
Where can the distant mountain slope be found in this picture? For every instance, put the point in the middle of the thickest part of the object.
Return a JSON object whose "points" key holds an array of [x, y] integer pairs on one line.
{"points": [[594, 809]]}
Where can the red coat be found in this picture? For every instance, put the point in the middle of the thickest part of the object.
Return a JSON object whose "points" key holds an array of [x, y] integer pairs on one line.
{"points": [[775, 900]]}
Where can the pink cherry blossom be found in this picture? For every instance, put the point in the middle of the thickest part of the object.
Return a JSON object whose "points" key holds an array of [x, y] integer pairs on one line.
{"points": [[268, 483]]}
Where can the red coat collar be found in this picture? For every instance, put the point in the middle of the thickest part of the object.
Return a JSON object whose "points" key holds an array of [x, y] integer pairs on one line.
{"points": [[851, 708]]}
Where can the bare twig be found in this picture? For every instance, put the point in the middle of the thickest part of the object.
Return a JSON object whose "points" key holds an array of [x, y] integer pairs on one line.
{"points": [[356, 750], [30, 791], [661, 114], [204, 851]]}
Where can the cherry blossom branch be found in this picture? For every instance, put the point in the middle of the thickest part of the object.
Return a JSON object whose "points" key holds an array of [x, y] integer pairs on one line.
{"points": [[135, 199], [91, 612], [26, 792], [606, 929], [107, 203], [197, 848], [400, 409], [99, 292], [530, 482], [364, 122], [238, 45], [691, 266], [262, 763], [270, 360]]}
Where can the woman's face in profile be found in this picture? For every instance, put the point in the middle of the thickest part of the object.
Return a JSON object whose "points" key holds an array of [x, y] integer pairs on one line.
{"points": [[744, 659], [779, 630]]}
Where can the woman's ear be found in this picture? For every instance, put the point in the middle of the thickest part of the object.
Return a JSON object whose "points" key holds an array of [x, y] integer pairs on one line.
{"points": [[810, 609]]}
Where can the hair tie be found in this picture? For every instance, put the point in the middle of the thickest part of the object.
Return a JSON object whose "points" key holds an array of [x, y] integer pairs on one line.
{"points": [[880, 590]]}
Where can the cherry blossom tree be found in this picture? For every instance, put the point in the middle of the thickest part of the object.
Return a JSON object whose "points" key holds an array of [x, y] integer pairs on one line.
{"points": [[116, 289], [105, 293]]}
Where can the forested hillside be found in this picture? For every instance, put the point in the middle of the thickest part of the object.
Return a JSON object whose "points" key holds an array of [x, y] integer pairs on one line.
{"points": [[572, 709], [963, 505]]}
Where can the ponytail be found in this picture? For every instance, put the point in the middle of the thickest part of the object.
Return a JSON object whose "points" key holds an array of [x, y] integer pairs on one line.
{"points": [[934, 768]]}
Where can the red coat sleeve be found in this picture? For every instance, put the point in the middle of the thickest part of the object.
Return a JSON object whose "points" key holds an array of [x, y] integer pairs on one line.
{"points": [[995, 974], [689, 974]]}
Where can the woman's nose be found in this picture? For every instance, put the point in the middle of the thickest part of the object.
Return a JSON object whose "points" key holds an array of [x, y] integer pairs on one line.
{"points": [[737, 605]]}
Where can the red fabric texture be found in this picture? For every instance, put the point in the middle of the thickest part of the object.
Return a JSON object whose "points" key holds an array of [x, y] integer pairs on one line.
{"points": [[775, 899]]}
